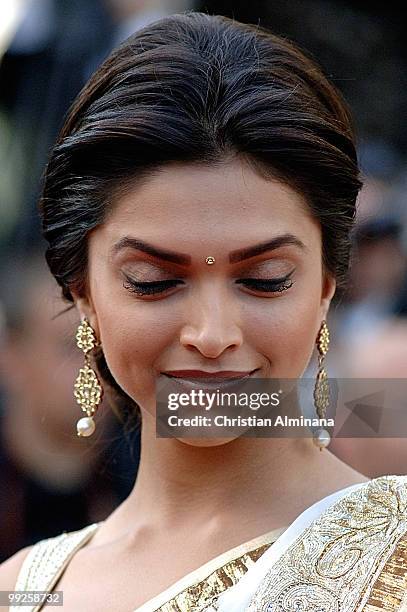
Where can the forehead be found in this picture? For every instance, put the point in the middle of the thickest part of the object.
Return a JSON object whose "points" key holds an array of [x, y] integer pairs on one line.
{"points": [[209, 202]]}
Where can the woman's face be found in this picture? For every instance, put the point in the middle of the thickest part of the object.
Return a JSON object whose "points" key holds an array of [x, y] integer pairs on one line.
{"points": [[206, 317]]}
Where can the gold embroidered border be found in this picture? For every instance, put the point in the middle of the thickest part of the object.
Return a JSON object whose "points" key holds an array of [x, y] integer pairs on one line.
{"points": [[200, 595], [390, 587], [332, 565], [195, 590]]}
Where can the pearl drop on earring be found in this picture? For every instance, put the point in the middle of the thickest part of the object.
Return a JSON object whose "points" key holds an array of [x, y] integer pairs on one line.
{"points": [[321, 438], [85, 426]]}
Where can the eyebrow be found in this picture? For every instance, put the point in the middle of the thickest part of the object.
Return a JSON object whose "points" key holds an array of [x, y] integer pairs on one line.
{"points": [[263, 247], [183, 259]]}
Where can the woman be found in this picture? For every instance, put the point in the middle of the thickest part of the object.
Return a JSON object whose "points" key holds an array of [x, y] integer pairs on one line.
{"points": [[198, 206]]}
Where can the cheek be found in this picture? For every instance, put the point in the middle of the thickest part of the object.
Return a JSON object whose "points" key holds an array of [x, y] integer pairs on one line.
{"points": [[284, 330], [134, 338]]}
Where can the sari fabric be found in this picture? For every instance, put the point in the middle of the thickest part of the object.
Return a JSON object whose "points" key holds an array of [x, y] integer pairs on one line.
{"points": [[48, 559], [346, 553], [200, 589], [352, 558]]}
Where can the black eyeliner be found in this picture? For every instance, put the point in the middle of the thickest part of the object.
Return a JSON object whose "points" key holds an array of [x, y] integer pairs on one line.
{"points": [[275, 285]]}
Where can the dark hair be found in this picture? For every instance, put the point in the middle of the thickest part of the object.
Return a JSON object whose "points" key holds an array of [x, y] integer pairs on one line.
{"points": [[197, 88]]}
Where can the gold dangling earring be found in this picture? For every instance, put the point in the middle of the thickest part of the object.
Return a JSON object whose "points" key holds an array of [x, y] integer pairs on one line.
{"points": [[87, 388], [321, 389]]}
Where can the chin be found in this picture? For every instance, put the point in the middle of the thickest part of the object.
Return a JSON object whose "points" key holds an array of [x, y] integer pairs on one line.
{"points": [[206, 442]]}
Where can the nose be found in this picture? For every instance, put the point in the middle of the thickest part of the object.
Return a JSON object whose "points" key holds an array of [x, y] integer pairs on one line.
{"points": [[213, 328]]}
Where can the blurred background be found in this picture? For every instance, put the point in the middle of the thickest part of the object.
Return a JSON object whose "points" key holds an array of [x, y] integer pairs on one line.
{"points": [[50, 480]]}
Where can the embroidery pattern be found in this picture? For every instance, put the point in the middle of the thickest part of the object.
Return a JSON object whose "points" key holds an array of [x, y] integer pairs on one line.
{"points": [[390, 590], [334, 564]]}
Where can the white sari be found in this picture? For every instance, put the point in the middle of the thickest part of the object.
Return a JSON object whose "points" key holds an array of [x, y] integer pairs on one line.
{"points": [[346, 553], [237, 598]]}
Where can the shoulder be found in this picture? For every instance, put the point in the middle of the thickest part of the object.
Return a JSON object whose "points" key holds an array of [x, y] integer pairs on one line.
{"points": [[10, 569], [35, 567]]}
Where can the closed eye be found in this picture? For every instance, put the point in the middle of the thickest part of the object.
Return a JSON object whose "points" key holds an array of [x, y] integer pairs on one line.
{"points": [[275, 285], [148, 288]]}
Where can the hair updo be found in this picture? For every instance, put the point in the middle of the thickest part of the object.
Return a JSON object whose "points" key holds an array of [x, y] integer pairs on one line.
{"points": [[197, 88]]}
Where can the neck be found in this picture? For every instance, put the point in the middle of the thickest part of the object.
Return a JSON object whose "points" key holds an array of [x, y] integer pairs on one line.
{"points": [[247, 479]]}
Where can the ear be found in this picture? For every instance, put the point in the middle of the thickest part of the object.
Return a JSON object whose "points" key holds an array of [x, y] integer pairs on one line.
{"points": [[328, 291], [85, 307]]}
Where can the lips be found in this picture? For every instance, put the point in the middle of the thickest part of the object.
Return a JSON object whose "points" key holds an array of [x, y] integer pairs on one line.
{"points": [[200, 379]]}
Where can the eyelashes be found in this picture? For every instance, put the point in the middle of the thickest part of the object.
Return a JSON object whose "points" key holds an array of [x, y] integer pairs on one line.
{"points": [[149, 288], [276, 285]]}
